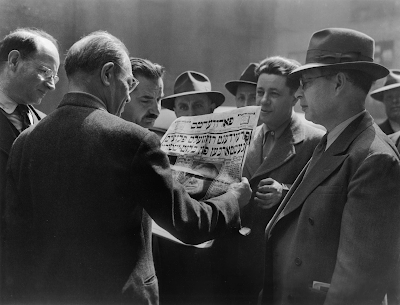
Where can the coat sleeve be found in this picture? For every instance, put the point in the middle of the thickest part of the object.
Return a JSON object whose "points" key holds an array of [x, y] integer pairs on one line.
{"points": [[167, 202], [369, 237]]}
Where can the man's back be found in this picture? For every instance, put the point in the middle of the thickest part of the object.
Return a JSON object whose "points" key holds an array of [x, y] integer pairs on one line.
{"points": [[78, 225]]}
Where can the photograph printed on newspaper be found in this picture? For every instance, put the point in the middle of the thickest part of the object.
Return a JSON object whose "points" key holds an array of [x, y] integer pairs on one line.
{"points": [[207, 152]]}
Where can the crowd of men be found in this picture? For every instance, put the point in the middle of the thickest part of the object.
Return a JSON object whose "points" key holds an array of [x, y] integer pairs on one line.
{"points": [[79, 188]]}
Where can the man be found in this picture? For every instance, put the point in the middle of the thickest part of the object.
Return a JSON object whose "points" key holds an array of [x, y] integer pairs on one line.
{"points": [[29, 62], [244, 89], [282, 146], [78, 206], [389, 95], [199, 180], [192, 95], [143, 108], [335, 238]]}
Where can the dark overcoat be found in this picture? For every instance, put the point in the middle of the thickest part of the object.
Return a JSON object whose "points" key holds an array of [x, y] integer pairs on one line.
{"points": [[338, 225], [81, 187], [8, 134]]}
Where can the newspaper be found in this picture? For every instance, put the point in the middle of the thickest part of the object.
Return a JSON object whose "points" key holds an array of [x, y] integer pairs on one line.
{"points": [[207, 152]]}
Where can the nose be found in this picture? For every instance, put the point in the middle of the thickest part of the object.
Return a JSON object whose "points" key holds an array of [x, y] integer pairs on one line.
{"points": [[50, 84], [265, 99], [155, 108], [299, 93]]}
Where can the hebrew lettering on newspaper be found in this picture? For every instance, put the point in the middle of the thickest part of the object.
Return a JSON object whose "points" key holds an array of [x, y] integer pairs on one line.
{"points": [[207, 152]]}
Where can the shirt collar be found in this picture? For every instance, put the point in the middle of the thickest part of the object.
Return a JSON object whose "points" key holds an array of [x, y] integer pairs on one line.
{"points": [[6, 103], [335, 132], [278, 131]]}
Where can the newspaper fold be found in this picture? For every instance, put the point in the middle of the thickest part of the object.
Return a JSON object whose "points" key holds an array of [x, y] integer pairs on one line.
{"points": [[207, 152]]}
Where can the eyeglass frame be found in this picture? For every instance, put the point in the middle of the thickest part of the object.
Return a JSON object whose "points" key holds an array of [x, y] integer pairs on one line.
{"points": [[135, 80], [48, 73], [303, 84]]}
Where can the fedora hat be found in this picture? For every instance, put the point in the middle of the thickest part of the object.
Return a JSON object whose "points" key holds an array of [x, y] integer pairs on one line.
{"points": [[392, 82], [342, 49], [248, 77], [190, 83]]}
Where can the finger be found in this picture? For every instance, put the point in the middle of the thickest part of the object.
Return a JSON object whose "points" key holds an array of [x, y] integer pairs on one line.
{"points": [[266, 189], [266, 181]]}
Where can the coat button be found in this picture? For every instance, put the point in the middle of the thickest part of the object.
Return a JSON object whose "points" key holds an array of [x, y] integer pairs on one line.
{"points": [[311, 221], [297, 261]]}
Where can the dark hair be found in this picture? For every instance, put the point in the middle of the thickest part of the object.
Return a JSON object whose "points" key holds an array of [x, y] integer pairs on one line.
{"points": [[146, 68], [93, 51], [278, 65], [358, 78], [24, 41]]}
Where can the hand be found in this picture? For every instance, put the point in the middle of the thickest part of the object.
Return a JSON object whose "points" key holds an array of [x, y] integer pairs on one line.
{"points": [[242, 191], [269, 193]]}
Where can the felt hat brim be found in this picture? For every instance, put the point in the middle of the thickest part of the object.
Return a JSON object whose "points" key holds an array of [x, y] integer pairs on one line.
{"points": [[373, 69], [232, 86], [216, 97], [379, 93]]}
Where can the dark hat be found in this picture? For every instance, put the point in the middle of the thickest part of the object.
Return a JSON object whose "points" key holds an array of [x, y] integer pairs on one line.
{"points": [[342, 49], [392, 82], [190, 83], [248, 77]]}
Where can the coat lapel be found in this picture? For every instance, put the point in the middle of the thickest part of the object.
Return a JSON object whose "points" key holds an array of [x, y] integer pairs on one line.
{"points": [[333, 157], [8, 134], [284, 148]]}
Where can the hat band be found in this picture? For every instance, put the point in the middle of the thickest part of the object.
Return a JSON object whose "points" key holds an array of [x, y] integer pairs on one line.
{"points": [[328, 57]]}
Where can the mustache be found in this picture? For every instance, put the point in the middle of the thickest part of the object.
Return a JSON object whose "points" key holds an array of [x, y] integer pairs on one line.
{"points": [[151, 116]]}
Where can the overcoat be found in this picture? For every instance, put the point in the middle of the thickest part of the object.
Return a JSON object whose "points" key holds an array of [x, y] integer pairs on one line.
{"points": [[338, 225], [8, 134], [81, 186], [289, 155]]}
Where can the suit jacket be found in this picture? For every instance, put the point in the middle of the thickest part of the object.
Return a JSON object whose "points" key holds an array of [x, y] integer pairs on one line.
{"points": [[289, 155], [339, 224], [8, 133], [386, 127], [82, 186]]}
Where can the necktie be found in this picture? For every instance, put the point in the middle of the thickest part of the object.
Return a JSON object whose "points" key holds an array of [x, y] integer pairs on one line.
{"points": [[268, 143], [23, 111], [318, 151]]}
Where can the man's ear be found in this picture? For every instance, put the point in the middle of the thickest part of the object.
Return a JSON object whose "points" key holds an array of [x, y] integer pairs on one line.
{"points": [[107, 73], [14, 57], [340, 80]]}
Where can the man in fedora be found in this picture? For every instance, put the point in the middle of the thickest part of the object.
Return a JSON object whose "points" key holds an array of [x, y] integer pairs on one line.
{"points": [[335, 238], [389, 95], [244, 89], [193, 95]]}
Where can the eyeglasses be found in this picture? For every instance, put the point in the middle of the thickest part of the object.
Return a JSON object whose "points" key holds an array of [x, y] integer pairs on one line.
{"points": [[47, 74], [303, 83], [132, 81]]}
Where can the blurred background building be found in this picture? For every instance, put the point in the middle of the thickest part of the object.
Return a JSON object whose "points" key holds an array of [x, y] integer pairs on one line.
{"points": [[215, 37]]}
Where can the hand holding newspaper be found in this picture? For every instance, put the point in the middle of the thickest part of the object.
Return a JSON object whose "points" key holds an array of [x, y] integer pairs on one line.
{"points": [[207, 152]]}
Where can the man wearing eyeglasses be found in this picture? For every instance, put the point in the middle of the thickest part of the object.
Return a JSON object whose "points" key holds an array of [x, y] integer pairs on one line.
{"points": [[29, 62], [82, 186], [335, 238]]}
